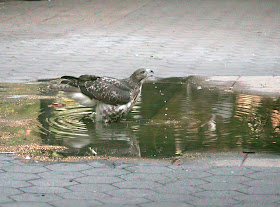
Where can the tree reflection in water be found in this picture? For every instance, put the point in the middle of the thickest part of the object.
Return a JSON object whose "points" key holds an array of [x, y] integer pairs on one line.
{"points": [[174, 116]]}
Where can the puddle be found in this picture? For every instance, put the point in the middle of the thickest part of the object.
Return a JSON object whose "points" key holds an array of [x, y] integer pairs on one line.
{"points": [[174, 117]]}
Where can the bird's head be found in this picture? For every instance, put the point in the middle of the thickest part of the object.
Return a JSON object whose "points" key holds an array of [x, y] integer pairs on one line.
{"points": [[141, 74]]}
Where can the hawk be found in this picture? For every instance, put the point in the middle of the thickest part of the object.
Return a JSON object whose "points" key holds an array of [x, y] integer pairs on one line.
{"points": [[112, 97]]}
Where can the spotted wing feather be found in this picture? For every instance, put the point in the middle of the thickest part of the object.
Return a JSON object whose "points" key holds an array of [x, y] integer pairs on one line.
{"points": [[107, 90]]}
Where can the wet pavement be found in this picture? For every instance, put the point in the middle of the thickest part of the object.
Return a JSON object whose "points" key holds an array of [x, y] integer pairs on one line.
{"points": [[47, 39]]}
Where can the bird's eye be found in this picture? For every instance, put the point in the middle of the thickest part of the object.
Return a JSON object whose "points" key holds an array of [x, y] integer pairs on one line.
{"points": [[143, 72]]}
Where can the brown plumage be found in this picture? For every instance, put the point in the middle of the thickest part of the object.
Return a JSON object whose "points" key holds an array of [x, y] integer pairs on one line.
{"points": [[113, 98]]}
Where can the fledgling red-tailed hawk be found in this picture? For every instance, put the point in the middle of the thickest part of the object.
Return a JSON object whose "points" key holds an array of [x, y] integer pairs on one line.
{"points": [[112, 97]]}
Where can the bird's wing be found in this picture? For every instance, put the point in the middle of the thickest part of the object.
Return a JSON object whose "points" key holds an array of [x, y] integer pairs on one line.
{"points": [[108, 90]]}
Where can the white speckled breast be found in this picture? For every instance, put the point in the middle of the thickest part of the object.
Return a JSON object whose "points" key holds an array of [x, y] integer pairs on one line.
{"points": [[110, 113]]}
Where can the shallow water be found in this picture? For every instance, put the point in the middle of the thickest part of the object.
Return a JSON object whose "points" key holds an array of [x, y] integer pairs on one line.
{"points": [[174, 117]]}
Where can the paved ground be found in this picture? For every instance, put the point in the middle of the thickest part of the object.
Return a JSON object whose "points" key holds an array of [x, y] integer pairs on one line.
{"points": [[257, 85], [212, 180], [46, 39]]}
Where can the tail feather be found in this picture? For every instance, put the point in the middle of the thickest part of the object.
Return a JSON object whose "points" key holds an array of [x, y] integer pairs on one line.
{"points": [[64, 87], [69, 84], [69, 77]]}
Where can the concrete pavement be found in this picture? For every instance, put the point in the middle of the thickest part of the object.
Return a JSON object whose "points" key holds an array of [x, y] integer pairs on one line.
{"points": [[210, 180], [47, 39], [257, 85]]}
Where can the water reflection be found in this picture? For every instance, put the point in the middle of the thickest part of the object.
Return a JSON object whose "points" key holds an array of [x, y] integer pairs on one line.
{"points": [[73, 126], [173, 117]]}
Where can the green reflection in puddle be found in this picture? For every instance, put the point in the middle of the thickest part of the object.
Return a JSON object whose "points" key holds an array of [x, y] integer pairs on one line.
{"points": [[174, 117]]}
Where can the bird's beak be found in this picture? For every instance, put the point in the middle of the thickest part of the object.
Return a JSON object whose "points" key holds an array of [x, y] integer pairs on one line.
{"points": [[150, 72]]}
